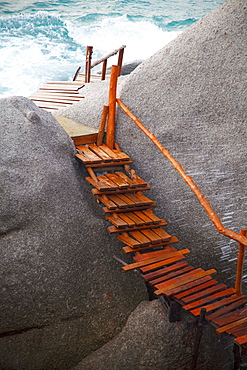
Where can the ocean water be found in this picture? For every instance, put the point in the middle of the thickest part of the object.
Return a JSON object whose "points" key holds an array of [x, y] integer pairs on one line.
{"points": [[45, 40]]}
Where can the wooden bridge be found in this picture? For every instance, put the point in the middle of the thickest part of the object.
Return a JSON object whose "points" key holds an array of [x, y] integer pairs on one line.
{"points": [[167, 274], [164, 269], [60, 94]]}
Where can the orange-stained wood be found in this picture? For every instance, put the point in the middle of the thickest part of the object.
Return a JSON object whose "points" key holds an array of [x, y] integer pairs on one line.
{"points": [[165, 256], [241, 340], [101, 132], [182, 281], [110, 134], [231, 325], [188, 180], [240, 265]]}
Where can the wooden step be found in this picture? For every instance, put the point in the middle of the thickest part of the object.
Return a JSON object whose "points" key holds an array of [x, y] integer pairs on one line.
{"points": [[213, 306], [101, 156], [231, 316], [145, 237], [167, 287], [132, 221], [163, 257], [122, 202], [115, 181], [127, 249]]}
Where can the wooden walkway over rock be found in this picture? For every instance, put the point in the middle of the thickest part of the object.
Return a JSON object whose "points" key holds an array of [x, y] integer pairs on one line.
{"points": [[165, 270], [60, 94]]}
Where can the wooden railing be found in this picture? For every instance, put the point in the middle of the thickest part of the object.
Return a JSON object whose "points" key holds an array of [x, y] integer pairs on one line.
{"points": [[239, 237], [89, 64]]}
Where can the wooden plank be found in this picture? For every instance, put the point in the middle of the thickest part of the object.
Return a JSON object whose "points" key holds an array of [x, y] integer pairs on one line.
{"points": [[135, 199], [137, 220], [59, 91], [85, 139], [128, 201], [100, 153], [238, 331], [50, 105], [206, 282], [165, 286], [63, 87], [120, 183], [118, 191], [140, 237], [99, 185], [171, 275], [106, 210], [204, 293], [154, 238], [125, 238], [125, 217], [71, 83], [150, 214], [213, 306], [105, 180], [115, 230], [117, 221], [143, 198], [241, 340], [209, 298], [154, 259], [162, 234], [89, 154], [52, 100], [131, 182], [128, 249], [237, 303], [188, 286], [44, 94], [197, 274], [231, 316], [111, 153], [139, 180], [145, 218], [165, 270], [231, 325], [146, 256], [156, 265], [107, 202], [123, 156], [109, 165], [119, 202]]}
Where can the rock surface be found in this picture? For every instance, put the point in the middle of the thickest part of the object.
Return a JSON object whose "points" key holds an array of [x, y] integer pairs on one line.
{"points": [[62, 294], [158, 345], [192, 96]]}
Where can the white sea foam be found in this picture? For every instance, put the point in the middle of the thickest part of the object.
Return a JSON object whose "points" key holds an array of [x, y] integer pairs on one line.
{"points": [[142, 39], [39, 48]]}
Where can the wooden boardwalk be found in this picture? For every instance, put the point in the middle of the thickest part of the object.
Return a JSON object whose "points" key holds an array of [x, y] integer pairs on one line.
{"points": [[164, 268]]}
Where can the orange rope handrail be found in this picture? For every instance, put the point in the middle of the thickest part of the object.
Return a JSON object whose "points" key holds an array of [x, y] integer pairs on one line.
{"points": [[196, 190]]}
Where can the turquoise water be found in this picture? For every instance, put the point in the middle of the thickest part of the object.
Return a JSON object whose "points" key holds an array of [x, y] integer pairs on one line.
{"points": [[46, 40]]}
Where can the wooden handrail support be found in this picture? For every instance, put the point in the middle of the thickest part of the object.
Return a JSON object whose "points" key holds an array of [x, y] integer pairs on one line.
{"points": [[110, 133], [188, 179], [240, 265], [89, 52], [104, 60]]}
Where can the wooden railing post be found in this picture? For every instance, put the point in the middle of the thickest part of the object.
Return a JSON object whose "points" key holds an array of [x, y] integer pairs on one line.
{"points": [[103, 73], [89, 52], [120, 60], [110, 134], [240, 265]]}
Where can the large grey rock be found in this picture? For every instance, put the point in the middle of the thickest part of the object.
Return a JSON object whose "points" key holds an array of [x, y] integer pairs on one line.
{"points": [[62, 294], [192, 96], [159, 345]]}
